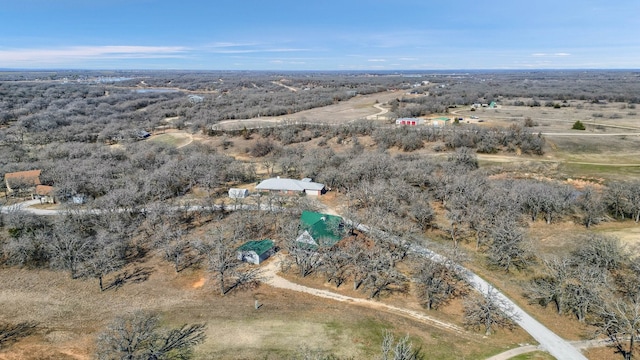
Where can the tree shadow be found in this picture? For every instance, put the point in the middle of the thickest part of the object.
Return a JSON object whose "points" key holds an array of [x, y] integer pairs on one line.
{"points": [[10, 333], [138, 275]]}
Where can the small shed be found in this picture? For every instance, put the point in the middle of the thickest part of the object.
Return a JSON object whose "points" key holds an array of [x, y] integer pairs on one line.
{"points": [[235, 193], [79, 199], [255, 251]]}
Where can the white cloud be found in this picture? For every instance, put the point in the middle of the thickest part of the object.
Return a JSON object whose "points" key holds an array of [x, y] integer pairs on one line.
{"points": [[64, 55], [559, 54], [377, 60]]}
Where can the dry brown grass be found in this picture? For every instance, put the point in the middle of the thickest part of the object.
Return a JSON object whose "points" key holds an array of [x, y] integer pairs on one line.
{"points": [[72, 312]]}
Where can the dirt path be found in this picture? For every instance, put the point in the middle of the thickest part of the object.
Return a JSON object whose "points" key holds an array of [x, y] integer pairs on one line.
{"points": [[187, 143], [375, 116], [271, 278], [284, 86]]}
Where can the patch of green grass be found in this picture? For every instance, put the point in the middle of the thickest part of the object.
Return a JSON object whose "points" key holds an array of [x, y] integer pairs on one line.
{"points": [[167, 139], [537, 355], [601, 170]]}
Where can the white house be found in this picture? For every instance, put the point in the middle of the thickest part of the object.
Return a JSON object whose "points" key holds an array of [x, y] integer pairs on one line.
{"points": [[291, 186]]}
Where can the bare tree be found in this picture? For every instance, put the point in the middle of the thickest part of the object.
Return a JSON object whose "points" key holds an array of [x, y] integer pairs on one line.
{"points": [[382, 275], [508, 246], [336, 265], [306, 257], [402, 349], [487, 312], [70, 250], [139, 337], [600, 251], [174, 244], [619, 321], [228, 271], [437, 284], [550, 286], [592, 207], [584, 291], [108, 257]]}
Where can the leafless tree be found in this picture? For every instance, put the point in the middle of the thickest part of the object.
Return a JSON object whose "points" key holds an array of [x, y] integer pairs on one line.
{"points": [[336, 265], [508, 247], [109, 256], [549, 287], [437, 284], [175, 246], [307, 258], [139, 337], [382, 275], [227, 270], [592, 207], [600, 251], [402, 349], [487, 312], [619, 321], [584, 291]]}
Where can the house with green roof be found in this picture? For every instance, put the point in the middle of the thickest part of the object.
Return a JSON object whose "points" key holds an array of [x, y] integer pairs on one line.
{"points": [[320, 229], [255, 251]]}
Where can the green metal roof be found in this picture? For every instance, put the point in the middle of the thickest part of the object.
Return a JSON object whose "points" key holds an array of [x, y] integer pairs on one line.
{"points": [[259, 246], [322, 225], [442, 118]]}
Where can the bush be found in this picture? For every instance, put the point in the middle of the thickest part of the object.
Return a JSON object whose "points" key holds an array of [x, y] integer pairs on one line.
{"points": [[578, 125]]}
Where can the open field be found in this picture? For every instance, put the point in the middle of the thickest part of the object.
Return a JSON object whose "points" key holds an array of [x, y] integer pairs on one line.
{"points": [[71, 312]]}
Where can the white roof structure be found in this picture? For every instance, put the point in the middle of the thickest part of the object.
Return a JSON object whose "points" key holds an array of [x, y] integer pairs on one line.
{"points": [[283, 184], [238, 193]]}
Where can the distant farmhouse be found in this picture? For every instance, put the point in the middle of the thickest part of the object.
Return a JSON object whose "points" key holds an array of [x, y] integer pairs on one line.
{"points": [[320, 229], [409, 121], [440, 121], [291, 186], [22, 181], [255, 251]]}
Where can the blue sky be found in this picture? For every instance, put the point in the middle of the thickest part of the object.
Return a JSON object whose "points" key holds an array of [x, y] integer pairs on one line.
{"points": [[320, 34]]}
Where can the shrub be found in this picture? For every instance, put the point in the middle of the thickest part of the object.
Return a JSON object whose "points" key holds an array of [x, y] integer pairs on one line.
{"points": [[578, 125]]}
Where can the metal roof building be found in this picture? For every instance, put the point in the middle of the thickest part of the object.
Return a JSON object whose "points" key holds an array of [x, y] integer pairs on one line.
{"points": [[291, 186]]}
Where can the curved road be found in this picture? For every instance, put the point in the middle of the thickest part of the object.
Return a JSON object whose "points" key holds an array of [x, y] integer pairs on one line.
{"points": [[547, 339]]}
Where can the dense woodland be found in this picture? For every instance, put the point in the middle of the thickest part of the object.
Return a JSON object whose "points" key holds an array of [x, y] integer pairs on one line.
{"points": [[68, 123]]}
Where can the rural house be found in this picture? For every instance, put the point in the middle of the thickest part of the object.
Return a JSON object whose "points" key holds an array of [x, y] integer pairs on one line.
{"points": [[320, 228], [255, 251], [22, 181], [291, 186]]}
